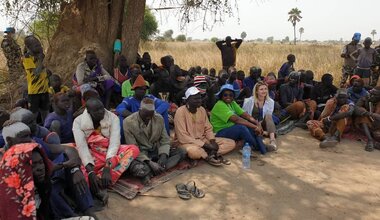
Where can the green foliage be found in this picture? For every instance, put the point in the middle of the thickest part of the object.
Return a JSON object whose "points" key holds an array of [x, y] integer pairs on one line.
{"points": [[214, 39], [45, 25], [168, 35], [243, 35], [294, 16], [150, 26], [181, 38]]}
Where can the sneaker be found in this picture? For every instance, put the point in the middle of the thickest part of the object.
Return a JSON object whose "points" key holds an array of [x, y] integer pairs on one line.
{"points": [[369, 146], [213, 161], [329, 142], [272, 145]]}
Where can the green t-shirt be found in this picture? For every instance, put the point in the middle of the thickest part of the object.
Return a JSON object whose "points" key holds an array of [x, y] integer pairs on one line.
{"points": [[126, 89], [221, 114]]}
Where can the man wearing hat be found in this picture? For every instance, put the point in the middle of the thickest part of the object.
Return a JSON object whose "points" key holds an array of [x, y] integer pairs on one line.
{"points": [[131, 105], [367, 118], [146, 129], [12, 53], [349, 63], [333, 120], [193, 131], [364, 58]]}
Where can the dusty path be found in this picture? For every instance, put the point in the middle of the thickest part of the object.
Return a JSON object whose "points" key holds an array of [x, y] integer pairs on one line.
{"points": [[300, 181]]}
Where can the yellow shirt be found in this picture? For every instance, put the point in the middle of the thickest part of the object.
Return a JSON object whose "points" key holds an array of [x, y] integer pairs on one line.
{"points": [[36, 84], [64, 89]]}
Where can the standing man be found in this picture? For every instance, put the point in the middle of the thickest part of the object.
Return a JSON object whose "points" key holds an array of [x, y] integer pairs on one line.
{"points": [[37, 77], [349, 63], [12, 53], [365, 58], [228, 49]]}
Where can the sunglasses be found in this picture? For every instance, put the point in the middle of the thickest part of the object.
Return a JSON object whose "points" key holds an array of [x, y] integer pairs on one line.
{"points": [[228, 95]]}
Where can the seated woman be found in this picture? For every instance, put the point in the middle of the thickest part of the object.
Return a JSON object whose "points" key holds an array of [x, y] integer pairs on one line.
{"points": [[26, 188], [261, 107], [231, 121], [61, 120]]}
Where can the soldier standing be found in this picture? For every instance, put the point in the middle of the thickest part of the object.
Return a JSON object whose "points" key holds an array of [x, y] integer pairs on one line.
{"points": [[349, 63], [12, 53]]}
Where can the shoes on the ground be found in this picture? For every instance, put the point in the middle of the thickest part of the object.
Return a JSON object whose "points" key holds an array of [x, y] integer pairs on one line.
{"points": [[272, 146], [329, 142], [213, 161], [370, 146]]}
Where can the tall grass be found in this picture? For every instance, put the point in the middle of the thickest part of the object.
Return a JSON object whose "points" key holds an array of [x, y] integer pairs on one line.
{"points": [[318, 58]]}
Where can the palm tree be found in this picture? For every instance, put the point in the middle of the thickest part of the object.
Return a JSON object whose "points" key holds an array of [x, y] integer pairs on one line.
{"points": [[373, 33], [301, 30], [294, 17]]}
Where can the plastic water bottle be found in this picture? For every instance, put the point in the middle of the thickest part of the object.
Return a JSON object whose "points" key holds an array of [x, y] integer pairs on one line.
{"points": [[246, 156]]}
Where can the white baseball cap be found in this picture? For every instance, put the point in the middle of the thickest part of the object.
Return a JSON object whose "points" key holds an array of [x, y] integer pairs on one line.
{"points": [[191, 91]]}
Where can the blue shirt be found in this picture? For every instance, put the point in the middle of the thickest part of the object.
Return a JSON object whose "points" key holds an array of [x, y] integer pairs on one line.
{"points": [[356, 96], [133, 105]]}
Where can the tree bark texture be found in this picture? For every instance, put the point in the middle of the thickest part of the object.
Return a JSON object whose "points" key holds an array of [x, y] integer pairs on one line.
{"points": [[132, 28], [94, 25]]}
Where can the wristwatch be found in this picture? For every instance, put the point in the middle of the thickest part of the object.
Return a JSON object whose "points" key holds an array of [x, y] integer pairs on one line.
{"points": [[75, 169]]}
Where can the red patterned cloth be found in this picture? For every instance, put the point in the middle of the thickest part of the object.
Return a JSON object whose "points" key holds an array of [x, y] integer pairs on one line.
{"points": [[98, 146], [17, 195]]}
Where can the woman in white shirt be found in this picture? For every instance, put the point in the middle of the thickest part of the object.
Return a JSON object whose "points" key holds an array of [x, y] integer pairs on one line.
{"points": [[261, 107]]}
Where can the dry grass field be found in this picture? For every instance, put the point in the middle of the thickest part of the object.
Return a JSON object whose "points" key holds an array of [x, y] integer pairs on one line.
{"points": [[319, 58]]}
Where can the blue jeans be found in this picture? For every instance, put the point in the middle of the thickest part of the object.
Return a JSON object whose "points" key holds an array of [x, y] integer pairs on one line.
{"points": [[241, 132]]}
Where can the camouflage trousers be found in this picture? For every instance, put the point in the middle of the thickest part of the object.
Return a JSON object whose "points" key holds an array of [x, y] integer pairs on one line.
{"points": [[347, 72]]}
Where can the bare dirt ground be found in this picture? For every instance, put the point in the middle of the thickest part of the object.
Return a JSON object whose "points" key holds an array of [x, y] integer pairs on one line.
{"points": [[299, 181]]}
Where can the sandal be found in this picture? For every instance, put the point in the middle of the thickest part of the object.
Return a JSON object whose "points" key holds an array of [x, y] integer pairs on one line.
{"points": [[182, 191], [213, 161], [196, 192], [223, 160]]}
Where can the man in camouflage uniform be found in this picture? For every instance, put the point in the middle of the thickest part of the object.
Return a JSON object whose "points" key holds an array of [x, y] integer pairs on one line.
{"points": [[12, 52], [349, 63]]}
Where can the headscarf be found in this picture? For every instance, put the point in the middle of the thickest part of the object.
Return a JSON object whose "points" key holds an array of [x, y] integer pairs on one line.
{"points": [[17, 188]]}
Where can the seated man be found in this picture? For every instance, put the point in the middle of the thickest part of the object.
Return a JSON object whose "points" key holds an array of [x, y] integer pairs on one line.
{"points": [[357, 90], [65, 185], [193, 132], [121, 69], [324, 91], [367, 118], [91, 74], [291, 99], [61, 120], [333, 120], [147, 67], [146, 129], [131, 105], [97, 137], [126, 88], [253, 78]]}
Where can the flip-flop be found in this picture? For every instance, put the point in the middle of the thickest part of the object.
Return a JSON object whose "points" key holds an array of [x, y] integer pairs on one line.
{"points": [[182, 191], [196, 192]]}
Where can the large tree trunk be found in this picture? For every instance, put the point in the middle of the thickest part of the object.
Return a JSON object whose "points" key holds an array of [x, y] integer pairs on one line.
{"points": [[94, 24], [132, 29]]}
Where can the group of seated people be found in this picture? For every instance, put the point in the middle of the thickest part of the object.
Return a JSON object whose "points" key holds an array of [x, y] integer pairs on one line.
{"points": [[61, 165]]}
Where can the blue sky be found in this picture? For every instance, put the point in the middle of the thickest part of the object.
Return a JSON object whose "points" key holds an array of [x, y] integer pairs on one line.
{"points": [[322, 19]]}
